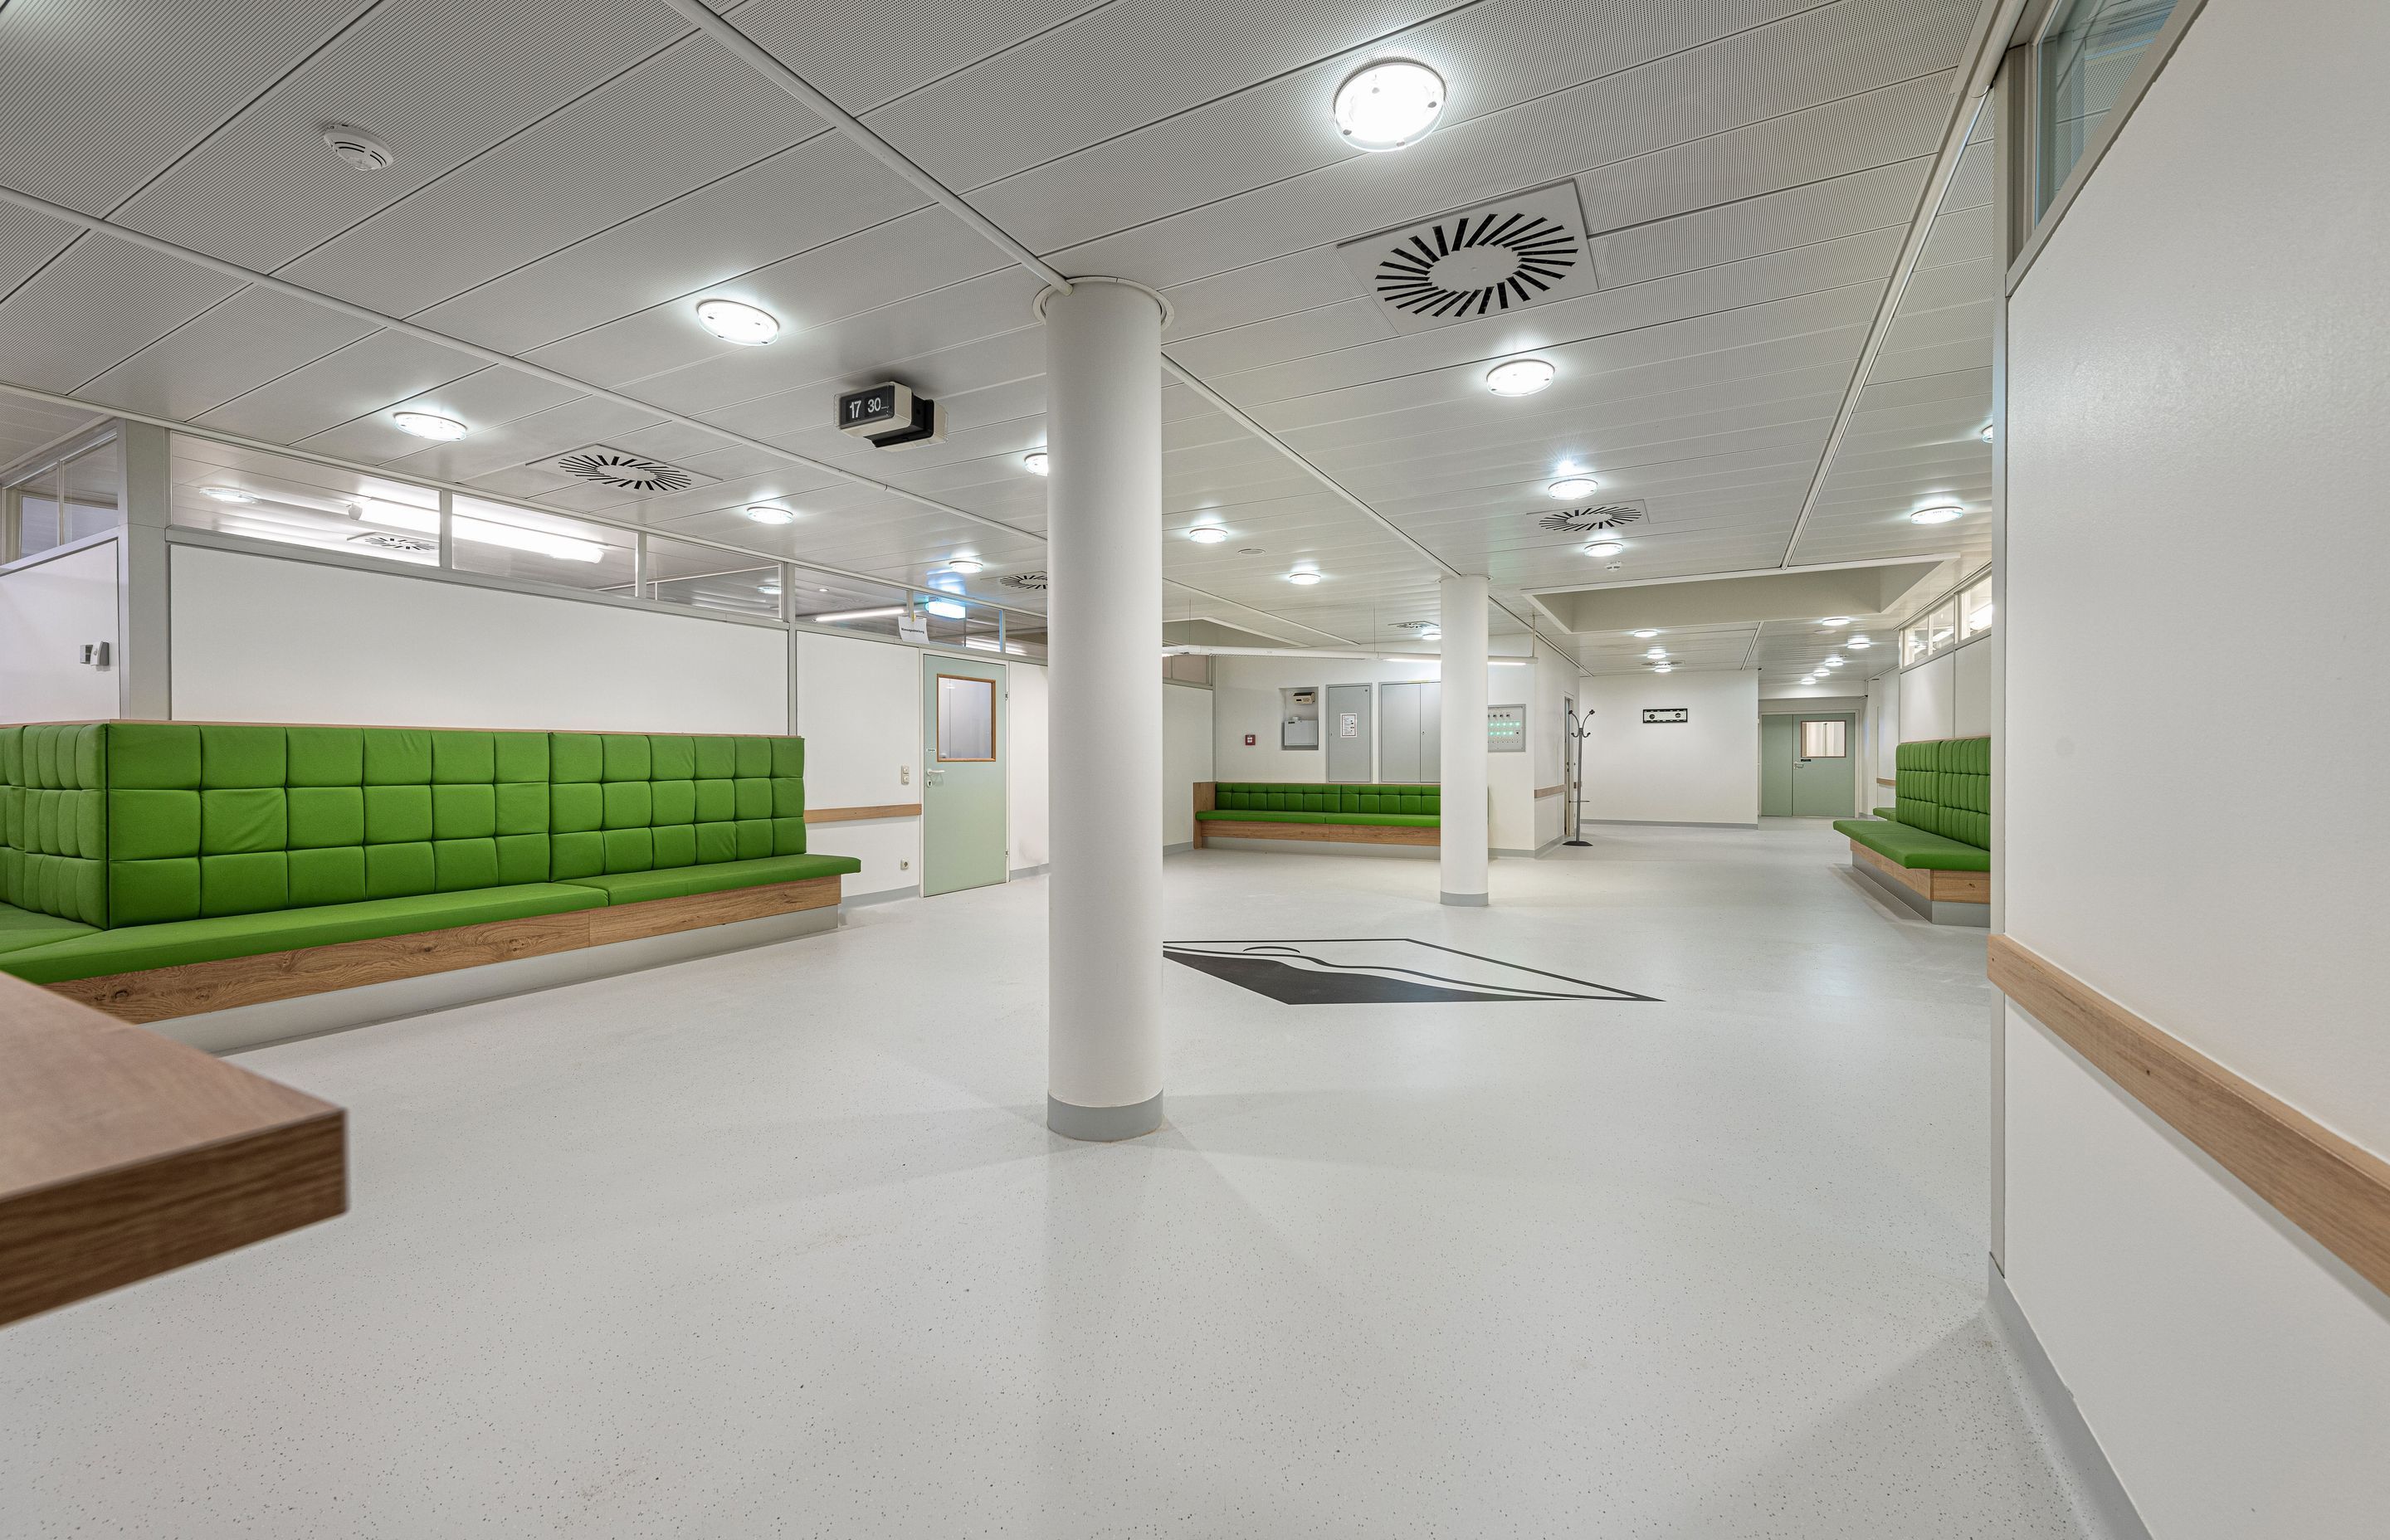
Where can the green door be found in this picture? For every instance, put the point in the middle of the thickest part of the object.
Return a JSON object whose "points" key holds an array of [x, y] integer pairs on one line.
{"points": [[963, 842], [1776, 741], [1821, 766]]}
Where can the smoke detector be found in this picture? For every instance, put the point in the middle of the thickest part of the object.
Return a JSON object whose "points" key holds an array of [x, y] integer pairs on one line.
{"points": [[411, 544], [1492, 260], [1600, 517], [1034, 581], [619, 470], [359, 148]]}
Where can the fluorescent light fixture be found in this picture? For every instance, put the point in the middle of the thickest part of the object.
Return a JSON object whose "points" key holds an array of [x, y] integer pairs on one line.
{"points": [[1388, 104], [879, 614], [1519, 377], [1303, 579], [1036, 461], [226, 495], [429, 425], [1509, 663], [1835, 620], [988, 644], [736, 321], [1604, 547], [482, 532], [1938, 513], [965, 565], [946, 610], [1642, 635], [1207, 534], [1572, 486], [765, 513]]}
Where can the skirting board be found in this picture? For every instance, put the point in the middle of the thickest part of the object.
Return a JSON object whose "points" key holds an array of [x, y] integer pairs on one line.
{"points": [[1536, 854], [1663, 823], [2112, 1515], [1179, 849], [1940, 911], [309, 1016], [1044, 867], [1323, 847], [886, 895]]}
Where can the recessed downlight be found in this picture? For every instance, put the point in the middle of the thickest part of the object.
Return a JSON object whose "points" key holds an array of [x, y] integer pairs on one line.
{"points": [[1519, 377], [1604, 547], [1303, 578], [736, 321], [1207, 534], [1035, 461], [1937, 513], [1388, 104], [767, 513], [428, 425], [226, 495], [965, 565], [1573, 486], [1642, 635], [946, 610]]}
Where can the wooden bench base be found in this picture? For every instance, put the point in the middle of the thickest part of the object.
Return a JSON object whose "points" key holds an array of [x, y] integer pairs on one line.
{"points": [[1944, 897], [1341, 834], [190, 989]]}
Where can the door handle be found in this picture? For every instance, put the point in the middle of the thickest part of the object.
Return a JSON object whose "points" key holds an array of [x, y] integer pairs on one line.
{"points": [[937, 777]]}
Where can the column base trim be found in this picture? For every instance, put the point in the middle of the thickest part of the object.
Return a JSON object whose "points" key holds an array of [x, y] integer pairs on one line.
{"points": [[1468, 901], [1103, 1124], [2112, 1515]]}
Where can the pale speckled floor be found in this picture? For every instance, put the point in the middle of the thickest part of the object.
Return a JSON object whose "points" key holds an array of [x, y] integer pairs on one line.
{"points": [[774, 1244]]}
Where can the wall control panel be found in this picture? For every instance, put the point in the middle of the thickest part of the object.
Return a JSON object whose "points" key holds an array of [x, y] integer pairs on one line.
{"points": [[1506, 729]]}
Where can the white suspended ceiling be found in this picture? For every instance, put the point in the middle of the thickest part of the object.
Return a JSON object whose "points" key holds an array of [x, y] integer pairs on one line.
{"points": [[570, 176]]}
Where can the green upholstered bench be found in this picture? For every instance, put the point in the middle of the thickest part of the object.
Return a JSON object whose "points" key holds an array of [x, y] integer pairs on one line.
{"points": [[1385, 815], [162, 869], [1931, 848]]}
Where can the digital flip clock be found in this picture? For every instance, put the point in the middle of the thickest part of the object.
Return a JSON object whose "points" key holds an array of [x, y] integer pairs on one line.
{"points": [[890, 415]]}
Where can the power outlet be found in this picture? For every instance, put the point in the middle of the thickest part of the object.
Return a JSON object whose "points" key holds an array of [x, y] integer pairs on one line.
{"points": [[904, 865], [904, 774]]}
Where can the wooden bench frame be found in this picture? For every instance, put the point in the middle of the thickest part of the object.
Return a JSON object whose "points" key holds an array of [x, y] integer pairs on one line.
{"points": [[190, 989], [1928, 886], [1206, 800]]}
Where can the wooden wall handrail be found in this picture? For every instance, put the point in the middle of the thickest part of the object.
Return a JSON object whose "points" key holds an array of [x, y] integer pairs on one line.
{"points": [[852, 815], [123, 1154], [2335, 1190], [1543, 792]]}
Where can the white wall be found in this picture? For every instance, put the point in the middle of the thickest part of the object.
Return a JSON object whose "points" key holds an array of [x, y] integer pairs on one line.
{"points": [[1883, 733], [1929, 699], [1971, 689], [1025, 792], [1186, 758], [259, 638], [1245, 700], [2203, 336], [859, 710], [48, 613], [1705, 771]]}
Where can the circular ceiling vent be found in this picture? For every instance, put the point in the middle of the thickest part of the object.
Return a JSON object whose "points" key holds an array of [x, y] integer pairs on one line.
{"points": [[609, 468], [1464, 269], [1034, 581], [412, 545], [1605, 516]]}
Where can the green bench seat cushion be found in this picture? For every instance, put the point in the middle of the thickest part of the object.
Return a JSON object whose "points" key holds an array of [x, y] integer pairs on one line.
{"points": [[1884, 813], [22, 928], [1400, 820], [173, 942], [680, 882], [1917, 849]]}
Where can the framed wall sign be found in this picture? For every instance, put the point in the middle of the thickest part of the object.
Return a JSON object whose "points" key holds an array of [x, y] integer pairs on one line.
{"points": [[1666, 713]]}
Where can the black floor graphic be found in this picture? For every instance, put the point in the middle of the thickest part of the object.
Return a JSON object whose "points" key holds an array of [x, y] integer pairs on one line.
{"points": [[1379, 970]]}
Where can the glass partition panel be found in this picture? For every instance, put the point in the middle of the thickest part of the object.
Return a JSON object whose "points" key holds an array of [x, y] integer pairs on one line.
{"points": [[1976, 610], [500, 540], [33, 513], [2086, 57], [1942, 626], [682, 571], [92, 492], [277, 497], [1915, 642]]}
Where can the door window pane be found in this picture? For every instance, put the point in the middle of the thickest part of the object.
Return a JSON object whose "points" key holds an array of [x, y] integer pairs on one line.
{"points": [[2086, 58], [965, 718], [1825, 739]]}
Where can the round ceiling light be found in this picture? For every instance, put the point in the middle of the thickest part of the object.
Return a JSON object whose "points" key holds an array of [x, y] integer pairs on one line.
{"points": [[1857, 644], [428, 425], [1835, 620], [736, 321], [1987, 432], [1664, 668], [1036, 461], [1605, 547], [1303, 579], [1657, 653], [765, 513], [946, 609], [1519, 377], [1572, 486], [1388, 104], [1207, 534], [1835, 660], [1940, 513], [1642, 635], [226, 495], [1432, 633], [965, 565]]}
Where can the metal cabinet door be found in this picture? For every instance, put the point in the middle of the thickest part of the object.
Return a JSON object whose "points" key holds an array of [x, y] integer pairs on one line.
{"points": [[1398, 733], [1348, 731]]}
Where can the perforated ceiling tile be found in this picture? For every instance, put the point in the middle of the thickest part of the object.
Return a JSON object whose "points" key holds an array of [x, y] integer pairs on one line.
{"points": [[386, 366], [26, 425], [249, 339], [97, 304]]}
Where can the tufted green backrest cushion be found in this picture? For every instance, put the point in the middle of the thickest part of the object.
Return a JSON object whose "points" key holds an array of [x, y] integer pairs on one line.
{"points": [[54, 820], [1944, 786], [1280, 797], [636, 802]]}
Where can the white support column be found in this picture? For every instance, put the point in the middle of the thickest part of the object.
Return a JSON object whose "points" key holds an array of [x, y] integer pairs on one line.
{"points": [[1103, 434], [1463, 696], [143, 666]]}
